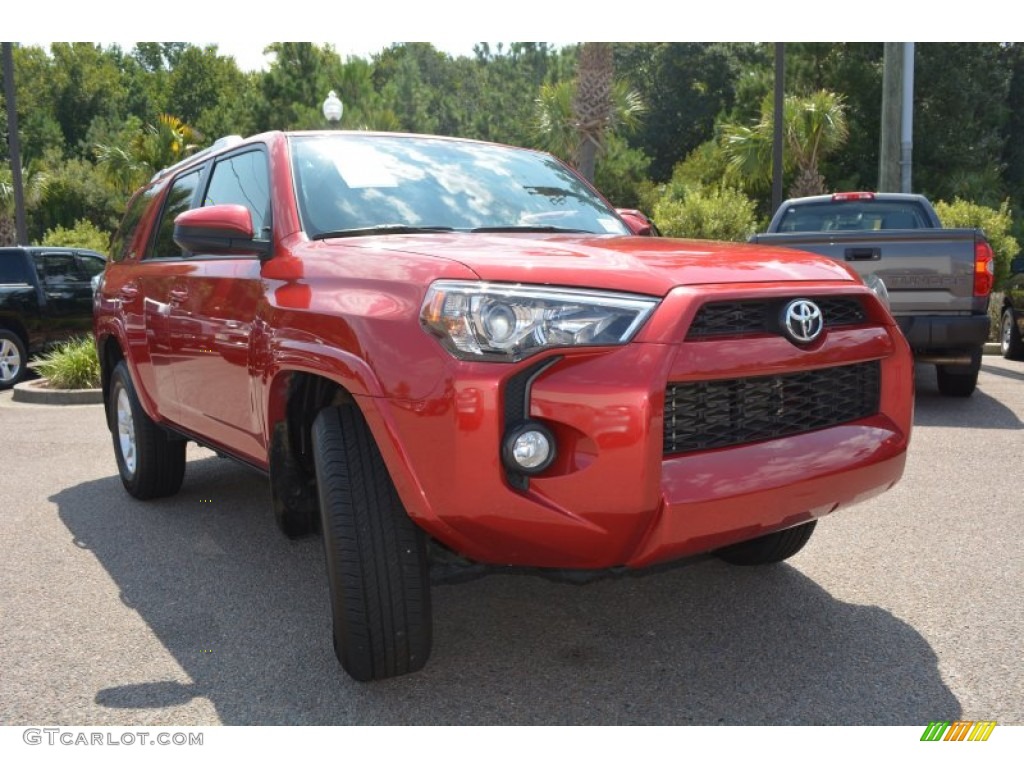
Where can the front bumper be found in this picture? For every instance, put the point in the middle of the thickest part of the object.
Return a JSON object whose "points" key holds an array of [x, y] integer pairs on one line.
{"points": [[612, 498]]}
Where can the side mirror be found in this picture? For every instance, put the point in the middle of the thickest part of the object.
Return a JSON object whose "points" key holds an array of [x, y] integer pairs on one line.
{"points": [[218, 229], [637, 222]]}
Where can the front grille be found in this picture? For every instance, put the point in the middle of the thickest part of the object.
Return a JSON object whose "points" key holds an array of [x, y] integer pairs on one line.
{"points": [[715, 414], [737, 318]]}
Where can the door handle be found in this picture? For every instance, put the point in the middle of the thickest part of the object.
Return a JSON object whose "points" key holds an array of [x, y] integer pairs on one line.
{"points": [[129, 291], [178, 295], [863, 254]]}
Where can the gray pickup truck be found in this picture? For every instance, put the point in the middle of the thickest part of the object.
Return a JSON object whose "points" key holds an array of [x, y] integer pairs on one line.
{"points": [[939, 280]]}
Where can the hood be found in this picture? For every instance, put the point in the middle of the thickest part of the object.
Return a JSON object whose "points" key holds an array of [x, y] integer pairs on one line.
{"points": [[646, 265]]}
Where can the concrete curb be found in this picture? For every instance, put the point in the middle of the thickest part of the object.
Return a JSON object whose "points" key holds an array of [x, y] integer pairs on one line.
{"points": [[37, 393], [992, 348]]}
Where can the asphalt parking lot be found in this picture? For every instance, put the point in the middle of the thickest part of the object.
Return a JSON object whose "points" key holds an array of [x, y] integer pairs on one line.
{"points": [[194, 610]]}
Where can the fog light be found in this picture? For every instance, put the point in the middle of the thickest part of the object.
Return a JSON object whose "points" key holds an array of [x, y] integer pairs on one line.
{"points": [[529, 448]]}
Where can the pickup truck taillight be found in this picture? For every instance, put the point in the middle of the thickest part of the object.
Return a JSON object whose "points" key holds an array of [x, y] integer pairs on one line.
{"points": [[984, 270], [845, 197]]}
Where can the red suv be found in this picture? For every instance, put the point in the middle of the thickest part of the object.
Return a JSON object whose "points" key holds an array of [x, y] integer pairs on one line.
{"points": [[446, 353]]}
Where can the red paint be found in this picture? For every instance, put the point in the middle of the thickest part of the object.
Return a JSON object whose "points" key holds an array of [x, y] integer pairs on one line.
{"points": [[210, 342]]}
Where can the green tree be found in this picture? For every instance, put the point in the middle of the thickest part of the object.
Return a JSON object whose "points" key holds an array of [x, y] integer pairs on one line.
{"points": [[707, 213], [685, 88], [813, 127], [997, 224], [84, 234], [557, 124]]}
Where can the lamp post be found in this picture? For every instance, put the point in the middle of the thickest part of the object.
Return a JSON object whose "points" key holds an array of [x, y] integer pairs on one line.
{"points": [[333, 109]]}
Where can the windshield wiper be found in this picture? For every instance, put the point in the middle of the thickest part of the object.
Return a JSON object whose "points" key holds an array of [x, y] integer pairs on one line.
{"points": [[381, 229], [527, 228]]}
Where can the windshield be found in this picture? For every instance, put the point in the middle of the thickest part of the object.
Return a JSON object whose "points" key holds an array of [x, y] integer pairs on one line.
{"points": [[359, 184]]}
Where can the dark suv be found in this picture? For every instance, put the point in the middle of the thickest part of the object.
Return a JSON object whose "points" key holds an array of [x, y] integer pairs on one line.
{"points": [[45, 297]]}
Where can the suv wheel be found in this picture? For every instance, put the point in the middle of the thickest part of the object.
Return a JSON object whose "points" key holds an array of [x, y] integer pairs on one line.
{"points": [[151, 462], [1010, 342], [773, 548], [13, 359], [376, 556]]}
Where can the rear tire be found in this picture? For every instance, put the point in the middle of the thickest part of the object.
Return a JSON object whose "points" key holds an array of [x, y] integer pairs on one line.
{"points": [[150, 461], [1010, 342], [376, 556], [773, 548], [13, 359]]}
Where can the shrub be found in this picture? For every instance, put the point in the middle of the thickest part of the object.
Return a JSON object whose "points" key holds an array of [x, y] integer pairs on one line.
{"points": [[72, 365], [706, 213], [995, 223], [84, 234]]}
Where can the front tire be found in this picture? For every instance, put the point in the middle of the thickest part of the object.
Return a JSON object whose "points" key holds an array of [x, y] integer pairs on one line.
{"points": [[13, 359], [376, 556], [151, 462], [772, 548], [1010, 342]]}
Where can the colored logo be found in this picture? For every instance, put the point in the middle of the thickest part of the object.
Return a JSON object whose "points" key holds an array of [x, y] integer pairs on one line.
{"points": [[960, 730], [802, 321]]}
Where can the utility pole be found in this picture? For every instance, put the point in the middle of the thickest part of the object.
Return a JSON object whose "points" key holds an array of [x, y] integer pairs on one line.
{"points": [[892, 108], [907, 128], [780, 97], [14, 144]]}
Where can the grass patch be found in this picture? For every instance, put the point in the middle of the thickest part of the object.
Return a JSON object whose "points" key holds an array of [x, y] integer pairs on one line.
{"points": [[72, 365]]}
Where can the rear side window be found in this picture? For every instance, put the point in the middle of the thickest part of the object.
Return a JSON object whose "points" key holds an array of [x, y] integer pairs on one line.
{"points": [[179, 199], [90, 265], [124, 244], [57, 269], [243, 180], [13, 269]]}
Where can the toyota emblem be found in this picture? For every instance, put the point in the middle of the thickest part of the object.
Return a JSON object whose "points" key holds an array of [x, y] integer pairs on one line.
{"points": [[802, 321]]}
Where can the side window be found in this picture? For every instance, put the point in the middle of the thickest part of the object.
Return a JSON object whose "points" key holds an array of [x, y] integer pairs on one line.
{"points": [[179, 200], [13, 269], [90, 265], [243, 180], [123, 244], [58, 269]]}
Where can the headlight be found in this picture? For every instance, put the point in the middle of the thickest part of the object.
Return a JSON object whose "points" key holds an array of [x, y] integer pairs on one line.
{"points": [[505, 323], [876, 284]]}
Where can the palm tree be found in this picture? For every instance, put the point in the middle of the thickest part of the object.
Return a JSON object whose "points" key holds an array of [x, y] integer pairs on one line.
{"points": [[592, 102], [35, 184], [813, 127], [158, 145], [573, 117]]}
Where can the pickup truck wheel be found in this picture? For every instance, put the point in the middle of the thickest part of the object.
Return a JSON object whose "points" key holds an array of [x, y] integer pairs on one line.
{"points": [[13, 359], [1010, 342], [773, 548], [956, 384], [151, 463], [376, 556]]}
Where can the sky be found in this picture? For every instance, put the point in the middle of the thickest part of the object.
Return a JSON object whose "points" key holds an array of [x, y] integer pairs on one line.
{"points": [[455, 25]]}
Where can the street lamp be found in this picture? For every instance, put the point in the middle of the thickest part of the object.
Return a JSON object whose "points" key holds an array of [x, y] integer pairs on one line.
{"points": [[333, 108]]}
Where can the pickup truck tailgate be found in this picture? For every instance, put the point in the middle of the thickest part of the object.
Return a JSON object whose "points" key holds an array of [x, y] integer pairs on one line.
{"points": [[926, 271]]}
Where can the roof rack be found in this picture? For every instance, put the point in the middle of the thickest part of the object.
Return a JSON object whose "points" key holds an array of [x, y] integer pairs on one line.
{"points": [[221, 143]]}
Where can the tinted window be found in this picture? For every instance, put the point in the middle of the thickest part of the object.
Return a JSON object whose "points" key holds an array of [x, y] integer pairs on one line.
{"points": [[352, 182], [855, 215], [91, 265], [123, 244], [243, 180], [56, 269], [179, 200], [13, 268]]}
